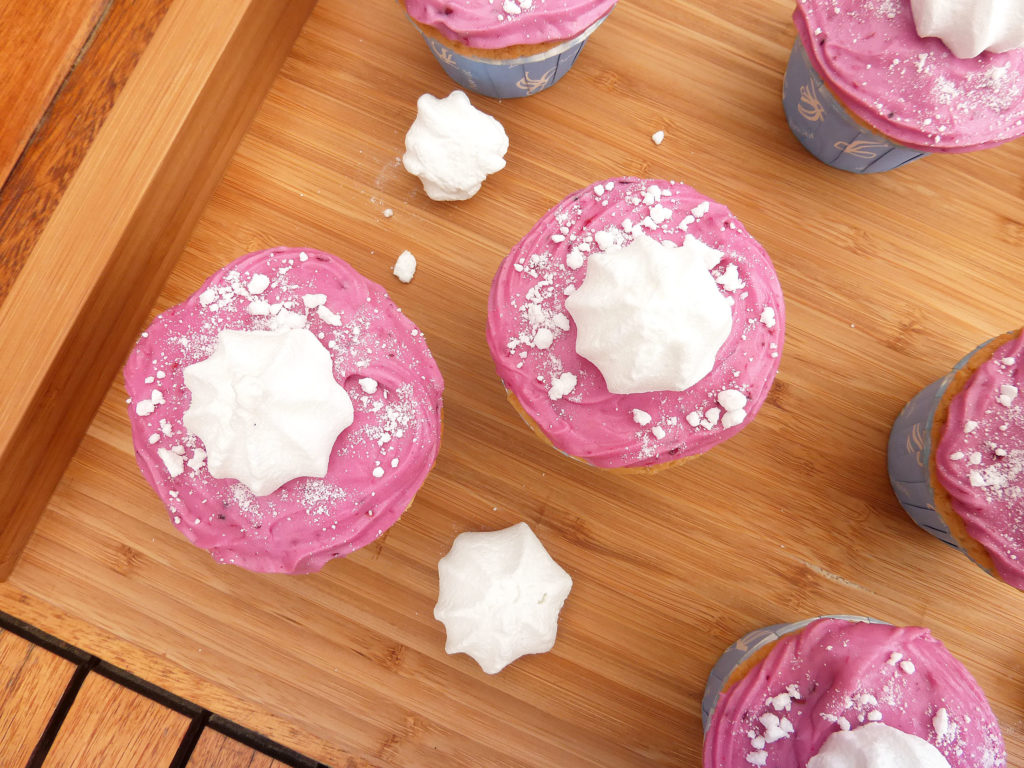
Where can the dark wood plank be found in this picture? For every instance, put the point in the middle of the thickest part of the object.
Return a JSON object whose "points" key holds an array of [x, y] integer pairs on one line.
{"points": [[38, 180], [40, 41], [111, 726], [32, 680], [215, 750]]}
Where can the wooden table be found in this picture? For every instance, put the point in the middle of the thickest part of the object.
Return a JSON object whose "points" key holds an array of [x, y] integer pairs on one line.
{"points": [[888, 280]]}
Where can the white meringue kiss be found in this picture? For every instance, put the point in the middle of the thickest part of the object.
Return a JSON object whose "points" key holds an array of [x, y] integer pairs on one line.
{"points": [[650, 316], [453, 146], [267, 407], [499, 596]]}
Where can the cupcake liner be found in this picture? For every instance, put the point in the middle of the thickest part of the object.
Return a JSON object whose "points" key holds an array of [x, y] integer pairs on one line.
{"points": [[909, 457], [744, 648], [509, 78], [827, 130]]}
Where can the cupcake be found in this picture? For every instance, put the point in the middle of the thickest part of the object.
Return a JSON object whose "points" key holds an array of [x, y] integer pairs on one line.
{"points": [[509, 48], [867, 90], [956, 457], [838, 692], [637, 324], [286, 413]]}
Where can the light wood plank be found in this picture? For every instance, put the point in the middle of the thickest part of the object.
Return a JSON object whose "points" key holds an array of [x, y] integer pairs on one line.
{"points": [[111, 726], [215, 750], [792, 518], [32, 681]]}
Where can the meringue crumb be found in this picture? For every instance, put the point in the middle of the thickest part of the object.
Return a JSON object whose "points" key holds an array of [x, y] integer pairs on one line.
{"points": [[562, 386], [405, 267], [643, 418], [258, 283]]}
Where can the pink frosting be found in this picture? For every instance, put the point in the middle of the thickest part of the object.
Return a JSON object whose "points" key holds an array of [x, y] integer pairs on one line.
{"points": [[307, 521], [848, 674], [912, 89], [490, 24], [987, 488], [590, 422]]}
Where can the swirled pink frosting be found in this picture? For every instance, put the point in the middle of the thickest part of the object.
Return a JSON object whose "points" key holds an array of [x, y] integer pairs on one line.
{"points": [[501, 23], [980, 458], [912, 89], [396, 429], [591, 423], [844, 675]]}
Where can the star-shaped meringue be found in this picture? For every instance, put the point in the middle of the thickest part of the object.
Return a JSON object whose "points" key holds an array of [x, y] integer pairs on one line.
{"points": [[650, 316], [499, 596], [267, 407], [452, 146]]}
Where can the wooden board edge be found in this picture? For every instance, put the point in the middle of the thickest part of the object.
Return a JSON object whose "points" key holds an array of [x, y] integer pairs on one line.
{"points": [[37, 181], [95, 272]]}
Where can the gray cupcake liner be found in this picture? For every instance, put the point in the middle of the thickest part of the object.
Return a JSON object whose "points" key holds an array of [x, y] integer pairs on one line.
{"points": [[909, 457], [828, 130], [510, 78], [744, 648]]}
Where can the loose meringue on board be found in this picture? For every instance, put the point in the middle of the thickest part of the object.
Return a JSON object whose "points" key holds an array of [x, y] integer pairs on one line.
{"points": [[499, 596], [452, 146]]}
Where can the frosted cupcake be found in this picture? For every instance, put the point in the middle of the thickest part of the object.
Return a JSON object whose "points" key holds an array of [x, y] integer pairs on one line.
{"points": [[867, 90], [286, 413], [510, 48], [637, 324], [956, 457], [845, 691]]}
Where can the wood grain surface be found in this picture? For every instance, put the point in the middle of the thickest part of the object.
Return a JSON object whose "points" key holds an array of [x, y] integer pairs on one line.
{"points": [[111, 726], [215, 750], [40, 41], [37, 181], [32, 681], [888, 281]]}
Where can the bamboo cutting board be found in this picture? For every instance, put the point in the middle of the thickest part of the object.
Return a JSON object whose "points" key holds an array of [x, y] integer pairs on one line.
{"points": [[888, 281]]}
